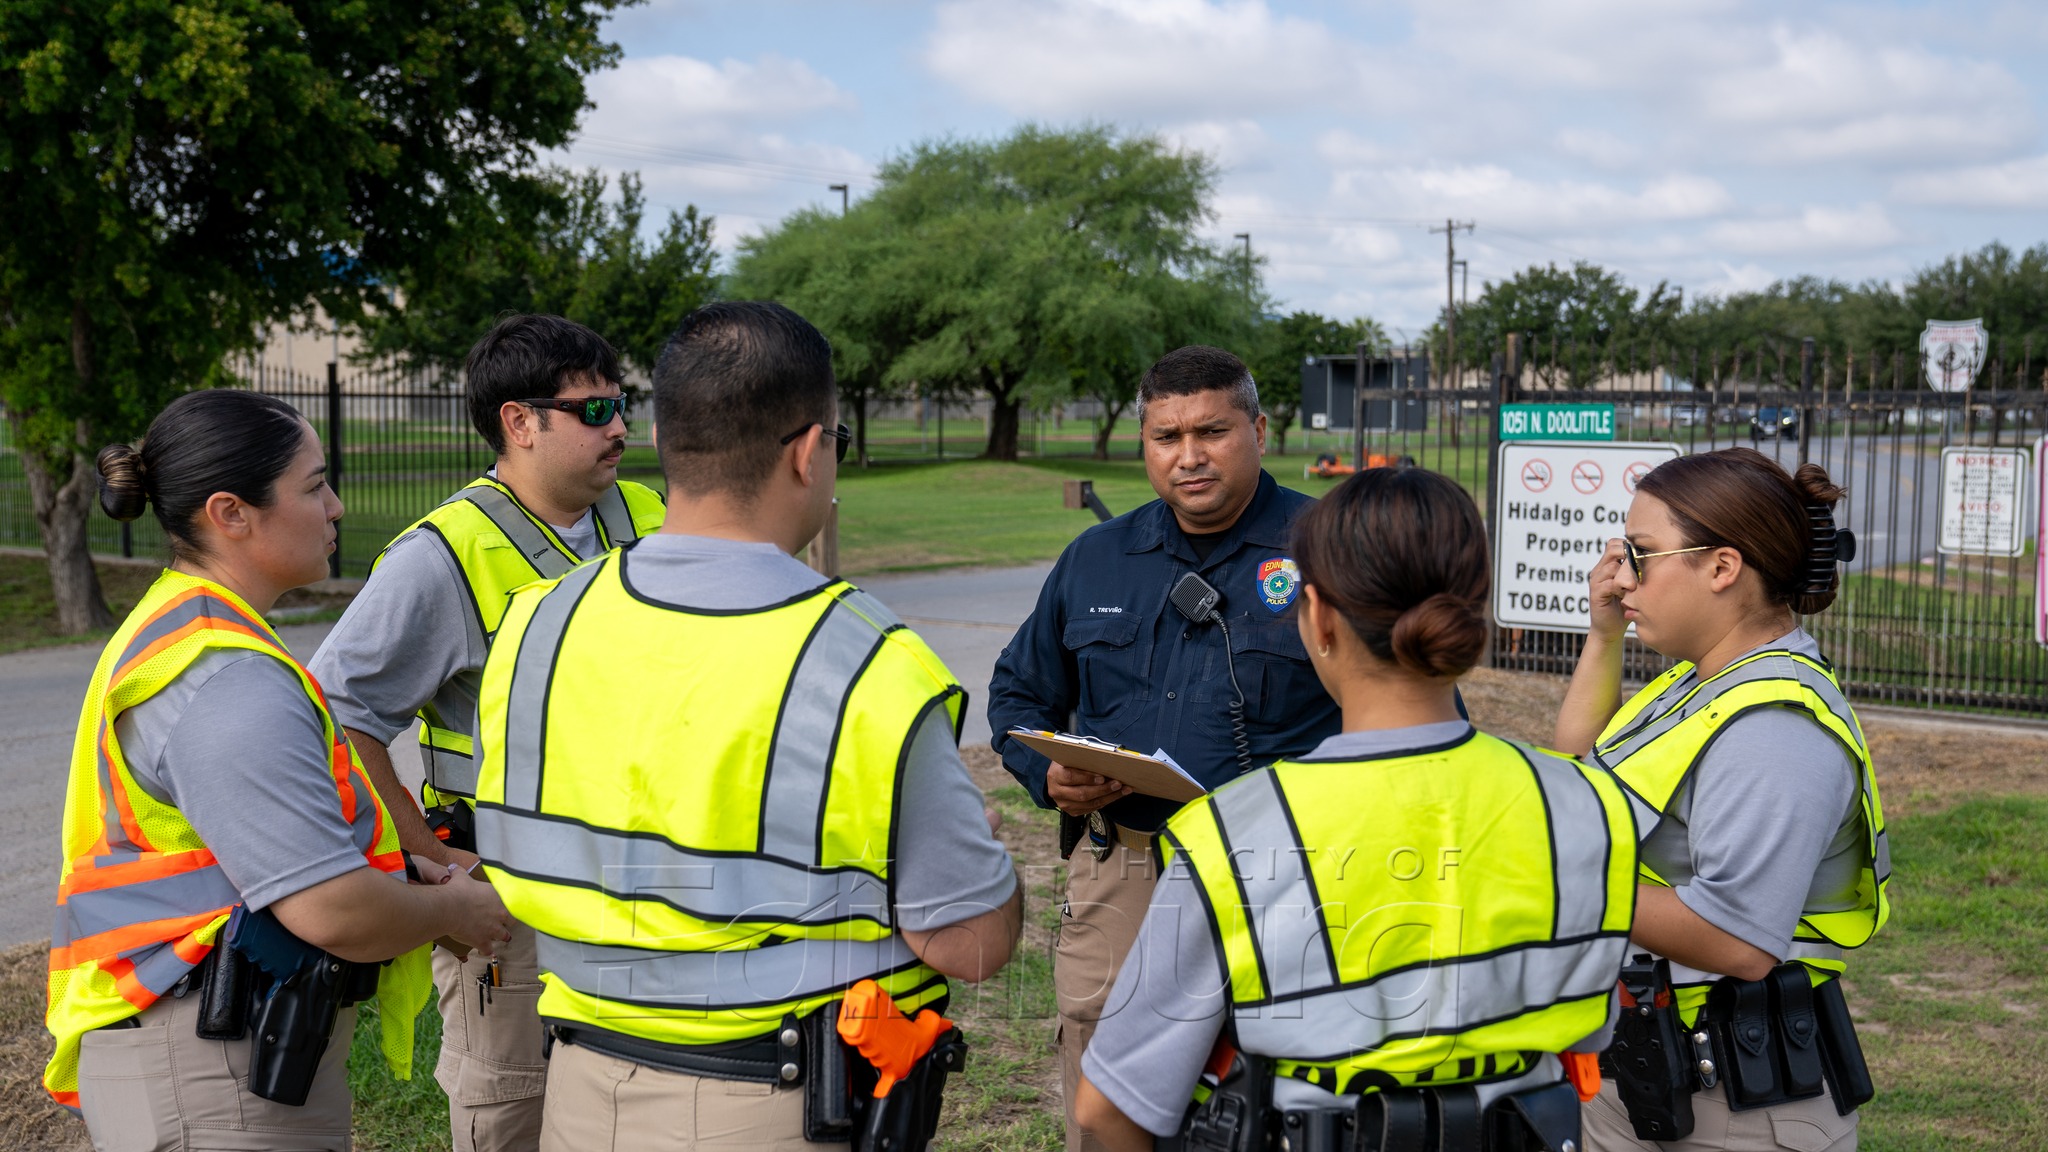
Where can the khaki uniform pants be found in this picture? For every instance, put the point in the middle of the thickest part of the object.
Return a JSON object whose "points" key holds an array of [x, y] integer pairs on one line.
{"points": [[600, 1103], [1803, 1126], [1106, 902], [159, 1088], [491, 1064]]}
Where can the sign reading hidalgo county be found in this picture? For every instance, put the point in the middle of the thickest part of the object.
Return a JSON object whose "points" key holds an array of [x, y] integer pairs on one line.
{"points": [[1549, 539], [1557, 422], [1983, 501]]}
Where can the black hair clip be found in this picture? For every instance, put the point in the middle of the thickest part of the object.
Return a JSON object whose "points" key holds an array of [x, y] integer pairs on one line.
{"points": [[1831, 546]]}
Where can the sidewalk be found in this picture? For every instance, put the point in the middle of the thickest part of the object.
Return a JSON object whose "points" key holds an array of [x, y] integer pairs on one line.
{"points": [[966, 616]]}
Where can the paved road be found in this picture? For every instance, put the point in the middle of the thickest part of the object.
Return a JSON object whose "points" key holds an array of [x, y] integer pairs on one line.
{"points": [[967, 617]]}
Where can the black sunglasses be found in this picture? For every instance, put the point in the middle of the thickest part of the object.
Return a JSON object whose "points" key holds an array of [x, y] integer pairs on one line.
{"points": [[596, 411], [842, 434]]}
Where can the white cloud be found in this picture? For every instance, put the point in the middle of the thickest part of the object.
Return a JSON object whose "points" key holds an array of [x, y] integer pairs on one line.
{"points": [[1135, 59], [2014, 184], [1815, 230], [1497, 195], [1239, 145], [1597, 147], [664, 95]]}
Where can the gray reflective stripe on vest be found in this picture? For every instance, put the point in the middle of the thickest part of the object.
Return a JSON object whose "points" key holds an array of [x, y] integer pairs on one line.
{"points": [[547, 559], [1289, 933], [1430, 1000], [86, 914], [449, 772], [526, 698], [1769, 666], [807, 731], [1574, 811], [1815, 950], [199, 607], [614, 518], [708, 886], [731, 980]]}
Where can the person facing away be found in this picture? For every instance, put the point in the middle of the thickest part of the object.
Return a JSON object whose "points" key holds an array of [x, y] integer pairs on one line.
{"points": [[217, 815], [544, 392], [1103, 654], [1763, 844], [722, 789], [1403, 926]]}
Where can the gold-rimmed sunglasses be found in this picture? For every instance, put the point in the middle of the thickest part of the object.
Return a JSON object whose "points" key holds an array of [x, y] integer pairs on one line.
{"points": [[1636, 556]]}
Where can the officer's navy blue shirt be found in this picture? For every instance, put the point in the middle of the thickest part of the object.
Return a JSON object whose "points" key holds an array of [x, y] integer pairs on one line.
{"points": [[1104, 646]]}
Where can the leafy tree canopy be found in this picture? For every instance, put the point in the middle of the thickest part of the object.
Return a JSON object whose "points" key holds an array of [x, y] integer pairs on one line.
{"points": [[180, 172]]}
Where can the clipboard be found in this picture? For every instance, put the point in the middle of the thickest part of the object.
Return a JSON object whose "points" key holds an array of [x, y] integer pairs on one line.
{"points": [[1145, 774]]}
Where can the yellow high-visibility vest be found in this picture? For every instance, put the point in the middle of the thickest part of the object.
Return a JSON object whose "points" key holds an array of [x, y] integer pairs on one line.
{"points": [[697, 810], [141, 900], [1654, 753], [500, 546], [1430, 917]]}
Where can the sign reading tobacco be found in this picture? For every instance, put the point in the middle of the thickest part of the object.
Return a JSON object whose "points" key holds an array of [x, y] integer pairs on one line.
{"points": [[1559, 505]]}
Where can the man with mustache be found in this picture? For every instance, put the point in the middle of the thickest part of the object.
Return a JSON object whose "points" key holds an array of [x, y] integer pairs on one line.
{"points": [[545, 394], [1106, 653]]}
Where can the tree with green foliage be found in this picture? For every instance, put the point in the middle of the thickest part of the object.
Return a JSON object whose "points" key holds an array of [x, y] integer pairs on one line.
{"points": [[1280, 346], [550, 243], [1027, 270], [1590, 315], [180, 173]]}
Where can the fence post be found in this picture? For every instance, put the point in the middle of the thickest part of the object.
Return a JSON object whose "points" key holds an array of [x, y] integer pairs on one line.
{"points": [[1358, 409], [334, 456], [1805, 397], [1492, 462]]}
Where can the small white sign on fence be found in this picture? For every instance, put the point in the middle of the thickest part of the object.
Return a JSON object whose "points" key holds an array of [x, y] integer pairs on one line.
{"points": [[1983, 501], [1559, 504]]}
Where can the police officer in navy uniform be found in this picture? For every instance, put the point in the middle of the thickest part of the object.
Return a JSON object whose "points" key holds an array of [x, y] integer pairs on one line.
{"points": [[1105, 654]]}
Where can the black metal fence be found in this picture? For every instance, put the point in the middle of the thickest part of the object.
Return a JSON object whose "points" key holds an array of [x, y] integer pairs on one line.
{"points": [[1912, 625]]}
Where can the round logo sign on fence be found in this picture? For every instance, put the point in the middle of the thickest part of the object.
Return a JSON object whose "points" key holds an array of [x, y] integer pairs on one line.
{"points": [[1536, 475], [1587, 477]]}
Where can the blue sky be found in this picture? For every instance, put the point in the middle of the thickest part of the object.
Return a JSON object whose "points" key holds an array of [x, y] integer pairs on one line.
{"points": [[1717, 144]]}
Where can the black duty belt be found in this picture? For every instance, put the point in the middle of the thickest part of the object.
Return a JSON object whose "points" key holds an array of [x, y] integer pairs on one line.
{"points": [[776, 1058]]}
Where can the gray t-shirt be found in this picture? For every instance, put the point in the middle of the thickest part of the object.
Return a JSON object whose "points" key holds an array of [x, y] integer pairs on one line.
{"points": [[237, 747], [949, 868], [411, 637], [1768, 826], [1172, 997]]}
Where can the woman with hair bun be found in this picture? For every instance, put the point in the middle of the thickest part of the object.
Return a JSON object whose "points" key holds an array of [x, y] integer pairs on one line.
{"points": [[1763, 847], [231, 884], [1394, 938]]}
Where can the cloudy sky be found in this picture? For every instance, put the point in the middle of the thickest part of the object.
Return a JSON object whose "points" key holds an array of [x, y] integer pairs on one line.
{"points": [[1717, 144]]}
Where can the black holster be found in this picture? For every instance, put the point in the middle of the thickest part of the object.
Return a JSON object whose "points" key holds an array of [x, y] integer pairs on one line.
{"points": [[294, 1021], [1841, 1053], [460, 821], [1235, 1118], [1650, 1057], [1772, 1043], [839, 1090], [1239, 1116], [905, 1119]]}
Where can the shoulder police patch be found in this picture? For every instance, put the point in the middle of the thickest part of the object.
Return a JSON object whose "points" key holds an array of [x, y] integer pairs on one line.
{"points": [[1279, 583]]}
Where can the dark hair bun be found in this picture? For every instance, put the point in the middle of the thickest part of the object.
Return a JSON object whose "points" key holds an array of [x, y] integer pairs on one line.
{"points": [[124, 484], [1815, 487], [1442, 636]]}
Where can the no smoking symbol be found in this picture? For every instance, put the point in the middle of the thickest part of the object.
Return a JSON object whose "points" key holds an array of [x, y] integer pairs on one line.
{"points": [[1587, 477], [1633, 475], [1536, 475]]}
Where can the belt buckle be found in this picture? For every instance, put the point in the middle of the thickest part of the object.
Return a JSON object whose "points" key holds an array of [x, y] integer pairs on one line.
{"points": [[1100, 840]]}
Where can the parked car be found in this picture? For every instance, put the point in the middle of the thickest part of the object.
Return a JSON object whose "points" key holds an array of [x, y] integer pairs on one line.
{"points": [[1773, 422]]}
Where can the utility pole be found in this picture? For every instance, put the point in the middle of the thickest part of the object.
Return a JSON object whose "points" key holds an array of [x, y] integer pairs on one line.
{"points": [[1247, 238], [1464, 282], [844, 199], [1450, 231]]}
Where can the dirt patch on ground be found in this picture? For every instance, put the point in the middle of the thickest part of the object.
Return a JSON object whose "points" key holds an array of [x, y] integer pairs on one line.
{"points": [[28, 1119], [1921, 763]]}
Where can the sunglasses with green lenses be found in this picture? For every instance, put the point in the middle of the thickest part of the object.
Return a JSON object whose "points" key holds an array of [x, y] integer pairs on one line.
{"points": [[596, 411]]}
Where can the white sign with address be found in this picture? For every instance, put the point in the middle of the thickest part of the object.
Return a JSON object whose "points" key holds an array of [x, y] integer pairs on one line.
{"points": [[1559, 504]]}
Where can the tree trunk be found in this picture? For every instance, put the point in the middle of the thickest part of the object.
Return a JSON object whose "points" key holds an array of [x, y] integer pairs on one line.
{"points": [[62, 511], [1002, 422], [1278, 426], [860, 426], [1109, 414]]}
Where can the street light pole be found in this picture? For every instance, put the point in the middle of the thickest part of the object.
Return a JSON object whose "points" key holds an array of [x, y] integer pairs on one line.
{"points": [[844, 198], [1247, 238]]}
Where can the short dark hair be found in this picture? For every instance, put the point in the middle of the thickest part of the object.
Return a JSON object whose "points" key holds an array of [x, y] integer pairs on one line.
{"points": [[734, 378], [1742, 499], [219, 440], [1199, 368], [1400, 553], [526, 357]]}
